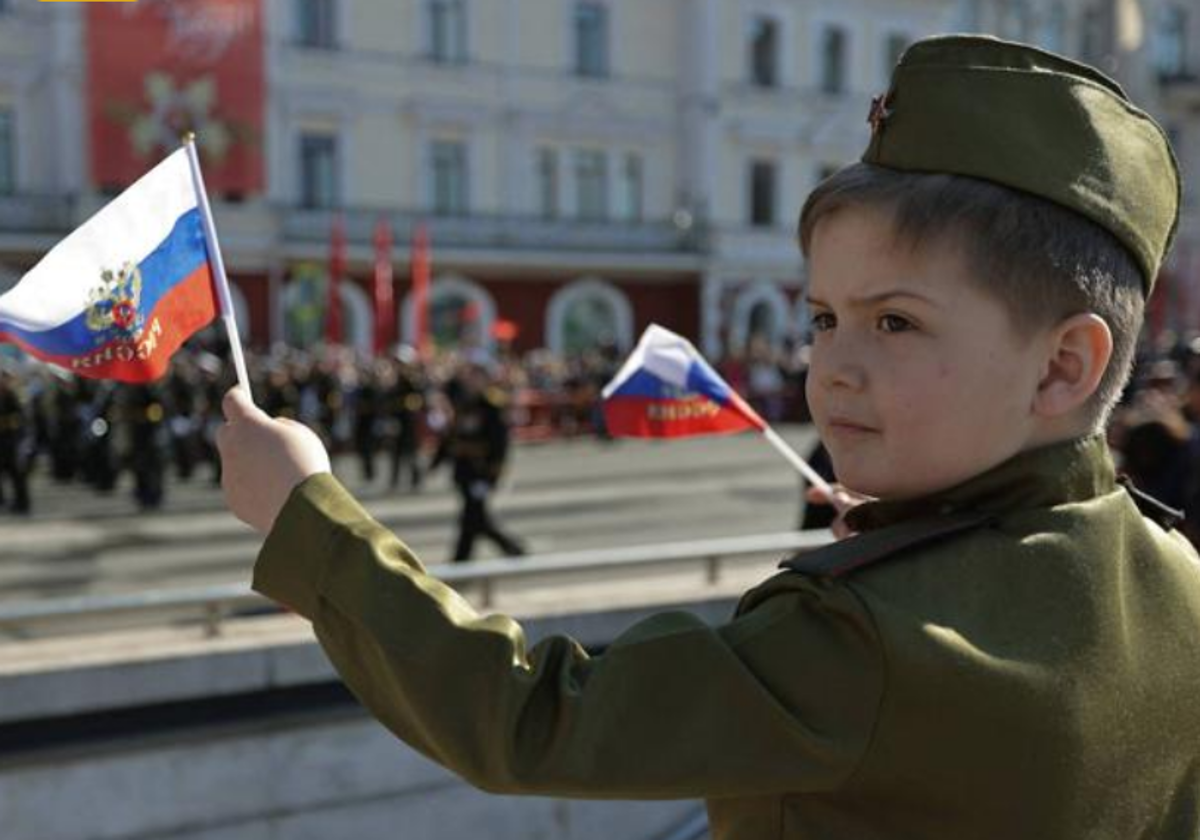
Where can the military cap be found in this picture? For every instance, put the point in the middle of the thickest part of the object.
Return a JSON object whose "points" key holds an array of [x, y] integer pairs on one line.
{"points": [[1034, 121]]}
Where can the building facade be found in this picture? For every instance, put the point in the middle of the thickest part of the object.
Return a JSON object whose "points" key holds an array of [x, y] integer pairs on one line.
{"points": [[583, 167]]}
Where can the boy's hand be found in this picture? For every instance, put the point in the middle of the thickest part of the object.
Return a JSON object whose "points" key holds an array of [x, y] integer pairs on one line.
{"points": [[843, 501], [263, 459]]}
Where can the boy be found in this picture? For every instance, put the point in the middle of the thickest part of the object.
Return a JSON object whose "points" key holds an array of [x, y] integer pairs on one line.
{"points": [[1004, 649]]}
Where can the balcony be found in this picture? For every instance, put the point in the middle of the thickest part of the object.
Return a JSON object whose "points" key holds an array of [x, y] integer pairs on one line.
{"points": [[515, 233]]}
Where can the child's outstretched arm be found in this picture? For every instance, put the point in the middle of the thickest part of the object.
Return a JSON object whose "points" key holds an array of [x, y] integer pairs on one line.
{"points": [[782, 699]]}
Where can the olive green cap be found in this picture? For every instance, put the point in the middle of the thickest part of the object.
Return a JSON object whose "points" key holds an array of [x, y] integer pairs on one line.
{"points": [[1034, 121]]}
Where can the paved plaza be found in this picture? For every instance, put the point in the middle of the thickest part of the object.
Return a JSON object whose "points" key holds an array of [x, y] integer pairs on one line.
{"points": [[558, 496]]}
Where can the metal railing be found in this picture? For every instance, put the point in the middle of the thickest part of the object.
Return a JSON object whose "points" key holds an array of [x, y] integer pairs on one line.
{"points": [[216, 603]]}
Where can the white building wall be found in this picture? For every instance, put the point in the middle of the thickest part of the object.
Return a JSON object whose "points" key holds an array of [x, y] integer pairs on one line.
{"points": [[679, 95]]}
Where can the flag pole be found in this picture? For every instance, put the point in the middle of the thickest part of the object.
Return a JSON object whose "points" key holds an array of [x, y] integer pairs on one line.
{"points": [[218, 266], [802, 466]]}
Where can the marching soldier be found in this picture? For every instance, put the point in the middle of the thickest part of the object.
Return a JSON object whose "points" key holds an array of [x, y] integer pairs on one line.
{"points": [[405, 408], [367, 421], [476, 441], [147, 419]]}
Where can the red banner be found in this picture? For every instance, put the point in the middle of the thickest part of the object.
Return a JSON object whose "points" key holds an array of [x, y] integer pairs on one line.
{"points": [[420, 290], [160, 68], [381, 287]]}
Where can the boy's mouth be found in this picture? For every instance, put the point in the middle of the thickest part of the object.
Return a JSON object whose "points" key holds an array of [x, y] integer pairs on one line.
{"points": [[844, 426]]}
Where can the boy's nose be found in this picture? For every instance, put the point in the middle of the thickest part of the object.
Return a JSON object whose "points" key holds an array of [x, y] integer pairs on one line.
{"points": [[835, 369]]}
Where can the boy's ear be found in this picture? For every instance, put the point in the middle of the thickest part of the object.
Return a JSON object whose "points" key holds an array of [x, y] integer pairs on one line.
{"points": [[1078, 351]]}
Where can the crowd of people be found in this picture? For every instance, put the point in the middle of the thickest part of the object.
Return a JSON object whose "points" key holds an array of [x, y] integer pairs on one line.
{"points": [[396, 415], [1155, 431]]}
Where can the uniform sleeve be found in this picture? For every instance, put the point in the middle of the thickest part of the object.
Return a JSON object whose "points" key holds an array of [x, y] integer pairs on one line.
{"points": [[784, 698]]}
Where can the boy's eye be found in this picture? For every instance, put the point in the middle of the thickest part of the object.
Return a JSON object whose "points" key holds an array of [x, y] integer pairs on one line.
{"points": [[823, 321], [894, 323]]}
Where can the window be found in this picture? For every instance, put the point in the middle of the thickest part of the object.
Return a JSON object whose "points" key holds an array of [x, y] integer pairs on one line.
{"points": [[315, 23], [8, 153], [591, 185], [591, 40], [588, 323], [318, 171], [1170, 42], [762, 193], [893, 47], [447, 31], [630, 200], [763, 323], [547, 182], [453, 320], [449, 178], [764, 52], [833, 60]]}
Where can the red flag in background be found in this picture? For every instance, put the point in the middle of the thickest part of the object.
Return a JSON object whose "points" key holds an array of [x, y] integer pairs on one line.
{"points": [[337, 267], [382, 287], [420, 289]]}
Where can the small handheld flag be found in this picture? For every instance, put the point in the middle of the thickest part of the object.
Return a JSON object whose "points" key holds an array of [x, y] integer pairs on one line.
{"points": [[666, 389], [119, 295]]}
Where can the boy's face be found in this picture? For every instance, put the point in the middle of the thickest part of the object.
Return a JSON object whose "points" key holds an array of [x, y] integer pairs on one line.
{"points": [[918, 380]]}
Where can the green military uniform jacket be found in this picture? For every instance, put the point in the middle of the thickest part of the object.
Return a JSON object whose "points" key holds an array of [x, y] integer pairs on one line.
{"points": [[1012, 658]]}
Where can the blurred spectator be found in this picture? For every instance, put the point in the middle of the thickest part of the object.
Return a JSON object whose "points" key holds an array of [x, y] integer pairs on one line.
{"points": [[765, 381], [16, 443]]}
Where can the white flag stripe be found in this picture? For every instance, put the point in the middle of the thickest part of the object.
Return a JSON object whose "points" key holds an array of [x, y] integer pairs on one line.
{"points": [[659, 351], [668, 361], [127, 229]]}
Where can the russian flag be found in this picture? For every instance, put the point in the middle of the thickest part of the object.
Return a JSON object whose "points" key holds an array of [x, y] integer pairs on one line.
{"points": [[116, 298], [667, 389]]}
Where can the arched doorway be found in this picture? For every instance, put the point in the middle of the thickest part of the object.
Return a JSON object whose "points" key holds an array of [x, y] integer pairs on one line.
{"points": [[304, 302], [461, 314], [586, 314], [761, 313]]}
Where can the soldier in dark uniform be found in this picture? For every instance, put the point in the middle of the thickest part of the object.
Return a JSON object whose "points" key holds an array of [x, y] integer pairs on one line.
{"points": [[367, 421], [185, 426], [16, 443], [327, 385], [99, 463], [405, 406], [147, 419], [281, 395], [66, 429], [476, 443], [211, 387], [1005, 647]]}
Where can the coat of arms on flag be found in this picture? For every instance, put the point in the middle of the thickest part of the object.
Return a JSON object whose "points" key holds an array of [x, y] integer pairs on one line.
{"points": [[117, 297]]}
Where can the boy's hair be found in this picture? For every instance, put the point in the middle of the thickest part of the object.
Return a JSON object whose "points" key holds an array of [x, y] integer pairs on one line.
{"points": [[1042, 262]]}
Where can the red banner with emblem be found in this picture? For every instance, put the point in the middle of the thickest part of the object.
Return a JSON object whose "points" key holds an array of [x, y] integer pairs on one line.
{"points": [[160, 68]]}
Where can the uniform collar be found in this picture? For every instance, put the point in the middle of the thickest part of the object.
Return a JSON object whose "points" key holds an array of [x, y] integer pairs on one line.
{"points": [[1069, 471]]}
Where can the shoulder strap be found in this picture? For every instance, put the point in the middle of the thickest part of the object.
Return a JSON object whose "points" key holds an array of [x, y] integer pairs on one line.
{"points": [[861, 550], [1165, 516]]}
